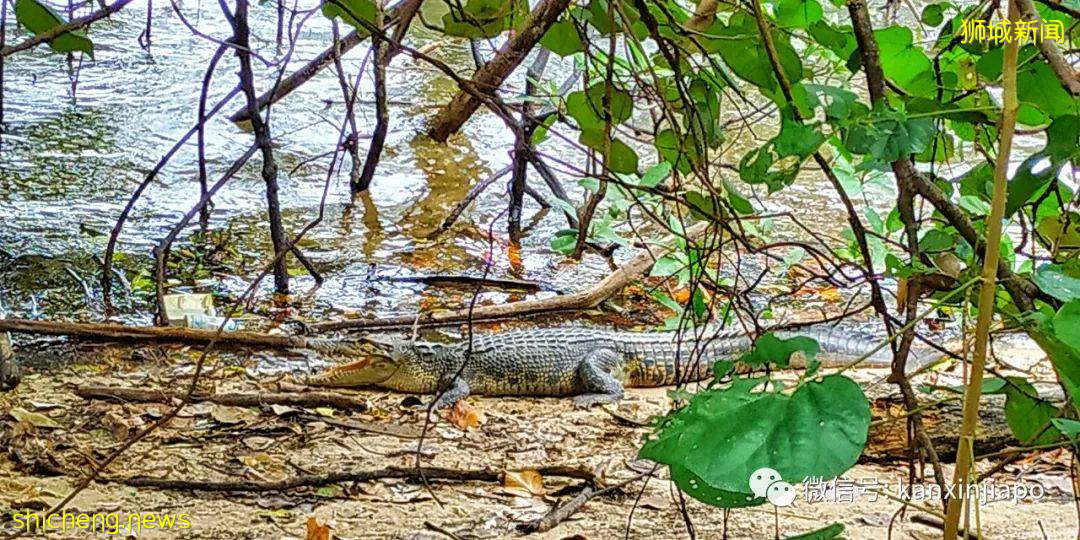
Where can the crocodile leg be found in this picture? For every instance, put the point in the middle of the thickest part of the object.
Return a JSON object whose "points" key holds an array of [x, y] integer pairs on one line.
{"points": [[458, 390], [600, 385]]}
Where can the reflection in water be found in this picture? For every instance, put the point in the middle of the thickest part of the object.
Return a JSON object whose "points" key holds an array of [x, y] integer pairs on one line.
{"points": [[451, 170], [374, 234]]}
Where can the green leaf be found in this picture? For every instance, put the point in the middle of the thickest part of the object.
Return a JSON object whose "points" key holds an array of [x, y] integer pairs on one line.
{"points": [[481, 18], [1071, 428], [737, 201], [1061, 147], [682, 152], [1064, 358], [770, 349], [936, 240], [1026, 414], [669, 265], [587, 107], [1067, 324], [622, 105], [1053, 280], [904, 62], [352, 12], [564, 241], [39, 18], [743, 52], [798, 13], [699, 489], [726, 434], [840, 101], [796, 138], [623, 159], [703, 206], [933, 15], [839, 40], [656, 174], [562, 38], [889, 135], [756, 167], [825, 533], [1062, 228], [1037, 85]]}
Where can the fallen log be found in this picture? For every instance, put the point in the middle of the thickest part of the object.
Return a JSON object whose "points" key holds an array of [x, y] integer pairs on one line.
{"points": [[311, 399], [888, 441], [589, 298]]}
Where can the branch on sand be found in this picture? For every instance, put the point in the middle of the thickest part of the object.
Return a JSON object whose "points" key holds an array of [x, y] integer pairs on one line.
{"points": [[412, 474], [309, 399], [562, 513]]}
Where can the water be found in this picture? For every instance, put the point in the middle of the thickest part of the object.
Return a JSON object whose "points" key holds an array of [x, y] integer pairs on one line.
{"points": [[71, 160]]}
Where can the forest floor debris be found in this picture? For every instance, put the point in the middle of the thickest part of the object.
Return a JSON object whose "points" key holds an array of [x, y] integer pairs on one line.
{"points": [[486, 481]]}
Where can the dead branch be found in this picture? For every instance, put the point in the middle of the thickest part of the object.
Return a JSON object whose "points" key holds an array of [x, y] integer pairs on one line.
{"points": [[562, 513], [382, 114], [586, 299], [391, 430], [488, 78], [412, 474], [241, 36], [514, 284], [309, 399]]}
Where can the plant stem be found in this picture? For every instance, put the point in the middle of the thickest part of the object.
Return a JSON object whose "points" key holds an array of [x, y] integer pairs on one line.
{"points": [[988, 289]]}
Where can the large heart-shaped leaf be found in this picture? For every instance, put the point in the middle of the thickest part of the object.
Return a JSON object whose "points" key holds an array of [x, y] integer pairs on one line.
{"points": [[725, 434]]}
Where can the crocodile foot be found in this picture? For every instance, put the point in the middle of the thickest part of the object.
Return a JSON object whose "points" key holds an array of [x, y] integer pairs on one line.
{"points": [[584, 401]]}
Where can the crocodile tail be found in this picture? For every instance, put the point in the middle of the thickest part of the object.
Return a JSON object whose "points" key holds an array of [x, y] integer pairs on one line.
{"points": [[841, 345]]}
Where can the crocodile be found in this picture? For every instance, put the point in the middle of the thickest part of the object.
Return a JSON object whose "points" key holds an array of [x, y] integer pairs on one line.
{"points": [[595, 365]]}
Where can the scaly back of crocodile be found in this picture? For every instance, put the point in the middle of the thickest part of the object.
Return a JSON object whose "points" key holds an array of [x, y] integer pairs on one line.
{"points": [[545, 361]]}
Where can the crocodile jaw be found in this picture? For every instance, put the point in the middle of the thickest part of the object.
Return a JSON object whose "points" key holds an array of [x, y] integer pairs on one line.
{"points": [[364, 372]]}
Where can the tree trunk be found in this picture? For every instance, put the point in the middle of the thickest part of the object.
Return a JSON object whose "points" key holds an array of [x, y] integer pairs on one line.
{"points": [[488, 78]]}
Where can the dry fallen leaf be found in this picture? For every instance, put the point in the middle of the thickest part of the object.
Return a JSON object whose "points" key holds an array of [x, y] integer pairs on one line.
{"points": [[225, 414], [465, 416], [282, 410], [316, 531], [656, 502], [526, 483], [34, 419]]}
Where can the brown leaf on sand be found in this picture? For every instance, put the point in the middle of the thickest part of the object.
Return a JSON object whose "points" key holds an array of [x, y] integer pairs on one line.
{"points": [[316, 531], [465, 416], [527, 483]]}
